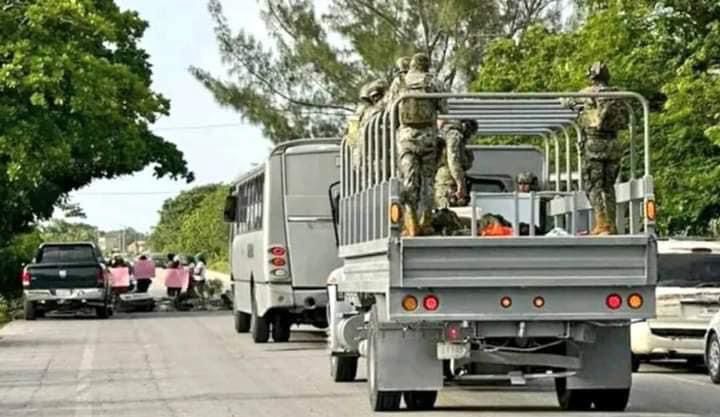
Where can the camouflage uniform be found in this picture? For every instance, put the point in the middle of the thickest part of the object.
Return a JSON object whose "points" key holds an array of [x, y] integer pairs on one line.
{"points": [[417, 147], [454, 160], [402, 65], [526, 182], [376, 94], [601, 119], [352, 131]]}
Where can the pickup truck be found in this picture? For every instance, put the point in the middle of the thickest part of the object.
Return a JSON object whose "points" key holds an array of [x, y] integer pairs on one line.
{"points": [[66, 277]]}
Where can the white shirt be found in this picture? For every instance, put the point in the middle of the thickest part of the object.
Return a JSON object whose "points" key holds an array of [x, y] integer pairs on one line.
{"points": [[199, 272]]}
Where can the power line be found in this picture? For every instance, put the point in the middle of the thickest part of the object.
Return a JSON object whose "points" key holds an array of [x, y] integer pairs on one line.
{"points": [[127, 193]]}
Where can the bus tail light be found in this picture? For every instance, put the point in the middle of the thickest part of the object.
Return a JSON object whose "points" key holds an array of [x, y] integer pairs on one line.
{"points": [[635, 301], [277, 251], [613, 301]]}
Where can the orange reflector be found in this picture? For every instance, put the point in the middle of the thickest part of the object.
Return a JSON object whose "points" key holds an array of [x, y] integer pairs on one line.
{"points": [[539, 302], [650, 210], [506, 302], [395, 213], [635, 301], [409, 303], [431, 303], [613, 301], [278, 261]]}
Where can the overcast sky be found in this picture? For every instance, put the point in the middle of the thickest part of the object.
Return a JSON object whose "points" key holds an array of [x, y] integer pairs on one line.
{"points": [[180, 35]]}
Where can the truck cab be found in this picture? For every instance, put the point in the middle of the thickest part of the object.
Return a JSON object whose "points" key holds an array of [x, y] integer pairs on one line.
{"points": [[66, 277]]}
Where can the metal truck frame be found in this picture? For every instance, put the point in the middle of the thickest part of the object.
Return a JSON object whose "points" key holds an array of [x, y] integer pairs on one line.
{"points": [[277, 283], [425, 311]]}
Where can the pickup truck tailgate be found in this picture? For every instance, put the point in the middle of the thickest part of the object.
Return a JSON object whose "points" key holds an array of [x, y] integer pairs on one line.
{"points": [[528, 261], [67, 275]]}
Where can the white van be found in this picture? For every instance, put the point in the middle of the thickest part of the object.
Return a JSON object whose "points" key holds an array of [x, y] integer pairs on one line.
{"points": [[283, 243]]}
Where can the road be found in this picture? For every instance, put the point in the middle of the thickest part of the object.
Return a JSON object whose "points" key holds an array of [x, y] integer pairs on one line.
{"points": [[193, 364]]}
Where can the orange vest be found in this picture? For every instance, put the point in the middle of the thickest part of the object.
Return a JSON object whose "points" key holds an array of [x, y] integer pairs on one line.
{"points": [[496, 229]]}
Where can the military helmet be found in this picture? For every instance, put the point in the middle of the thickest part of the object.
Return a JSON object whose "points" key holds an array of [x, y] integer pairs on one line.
{"points": [[470, 126], [420, 62], [402, 64], [598, 72], [377, 87], [527, 178]]}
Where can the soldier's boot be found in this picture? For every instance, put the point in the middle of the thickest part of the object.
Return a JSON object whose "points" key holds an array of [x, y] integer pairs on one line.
{"points": [[425, 227], [602, 226], [410, 224]]}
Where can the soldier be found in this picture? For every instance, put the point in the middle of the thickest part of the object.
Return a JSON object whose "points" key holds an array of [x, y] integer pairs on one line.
{"points": [[417, 147], [402, 65], [353, 128], [376, 97], [526, 182], [455, 159], [601, 119]]}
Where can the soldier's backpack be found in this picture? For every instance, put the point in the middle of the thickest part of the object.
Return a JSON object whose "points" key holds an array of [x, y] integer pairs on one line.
{"points": [[605, 114], [418, 111]]}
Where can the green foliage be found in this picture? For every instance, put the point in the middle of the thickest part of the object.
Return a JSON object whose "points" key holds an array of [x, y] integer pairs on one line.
{"points": [[75, 104], [308, 80], [20, 250], [669, 51], [62, 231], [192, 223]]}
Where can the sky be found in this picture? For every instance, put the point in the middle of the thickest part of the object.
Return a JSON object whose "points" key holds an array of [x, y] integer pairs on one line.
{"points": [[180, 35]]}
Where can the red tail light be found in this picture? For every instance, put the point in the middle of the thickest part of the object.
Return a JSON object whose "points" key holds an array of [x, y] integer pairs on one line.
{"points": [[278, 262], [613, 301], [431, 303], [277, 251], [26, 277], [100, 277]]}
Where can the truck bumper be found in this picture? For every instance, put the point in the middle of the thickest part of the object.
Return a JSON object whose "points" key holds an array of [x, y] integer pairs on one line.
{"points": [[88, 295]]}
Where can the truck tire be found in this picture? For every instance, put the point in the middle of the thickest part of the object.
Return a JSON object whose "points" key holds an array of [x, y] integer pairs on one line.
{"points": [[259, 328], [611, 399], [379, 400], [420, 400], [242, 322], [572, 399], [29, 310], [343, 368], [281, 327], [102, 312]]}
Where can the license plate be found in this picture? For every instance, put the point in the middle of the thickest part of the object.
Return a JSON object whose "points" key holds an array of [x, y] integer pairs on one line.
{"points": [[453, 350], [63, 293]]}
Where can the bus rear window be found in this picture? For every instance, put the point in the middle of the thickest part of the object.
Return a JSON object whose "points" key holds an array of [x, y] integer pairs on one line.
{"points": [[311, 173]]}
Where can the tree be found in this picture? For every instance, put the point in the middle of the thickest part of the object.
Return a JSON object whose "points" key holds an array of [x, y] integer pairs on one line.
{"points": [[63, 231], [666, 50], [75, 104], [308, 81]]}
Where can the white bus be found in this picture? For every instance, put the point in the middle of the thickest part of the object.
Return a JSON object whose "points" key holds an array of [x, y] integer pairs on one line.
{"points": [[283, 244]]}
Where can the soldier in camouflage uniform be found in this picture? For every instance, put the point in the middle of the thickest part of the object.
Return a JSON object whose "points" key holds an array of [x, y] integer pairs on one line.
{"points": [[352, 131], [455, 159], [376, 95], [601, 119], [402, 65], [417, 147]]}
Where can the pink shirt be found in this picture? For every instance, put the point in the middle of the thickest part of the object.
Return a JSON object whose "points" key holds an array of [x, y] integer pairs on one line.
{"points": [[144, 268], [120, 277]]}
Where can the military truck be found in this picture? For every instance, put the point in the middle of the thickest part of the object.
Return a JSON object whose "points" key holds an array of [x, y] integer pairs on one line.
{"points": [[430, 311]]}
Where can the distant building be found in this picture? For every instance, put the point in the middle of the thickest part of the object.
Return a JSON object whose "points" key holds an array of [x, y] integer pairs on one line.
{"points": [[137, 247]]}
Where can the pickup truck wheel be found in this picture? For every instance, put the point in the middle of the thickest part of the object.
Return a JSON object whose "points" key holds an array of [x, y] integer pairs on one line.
{"points": [[242, 322], [343, 368], [611, 399], [29, 309], [713, 358], [102, 312], [39, 313], [379, 400], [420, 400], [572, 399], [281, 327]]}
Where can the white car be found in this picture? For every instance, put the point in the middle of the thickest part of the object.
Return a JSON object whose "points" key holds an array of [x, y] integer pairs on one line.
{"points": [[712, 349], [687, 298]]}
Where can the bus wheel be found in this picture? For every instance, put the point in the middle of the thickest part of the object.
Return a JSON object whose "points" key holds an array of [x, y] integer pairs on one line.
{"points": [[242, 322], [281, 327]]}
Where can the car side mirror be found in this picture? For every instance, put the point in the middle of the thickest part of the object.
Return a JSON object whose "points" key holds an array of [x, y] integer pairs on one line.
{"points": [[230, 210]]}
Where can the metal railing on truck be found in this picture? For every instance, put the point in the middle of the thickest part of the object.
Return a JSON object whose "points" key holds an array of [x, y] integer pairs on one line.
{"points": [[369, 188]]}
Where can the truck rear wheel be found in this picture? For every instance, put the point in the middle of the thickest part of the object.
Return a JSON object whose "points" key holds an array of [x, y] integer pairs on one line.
{"points": [[242, 322], [281, 327], [343, 368], [420, 400], [259, 328], [611, 399], [572, 399], [29, 310], [379, 400]]}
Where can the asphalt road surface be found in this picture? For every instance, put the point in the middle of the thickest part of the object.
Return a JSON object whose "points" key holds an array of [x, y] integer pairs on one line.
{"points": [[193, 364]]}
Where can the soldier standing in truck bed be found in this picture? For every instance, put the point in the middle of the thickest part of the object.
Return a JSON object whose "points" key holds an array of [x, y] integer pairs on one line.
{"points": [[601, 119], [455, 159], [417, 147]]}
